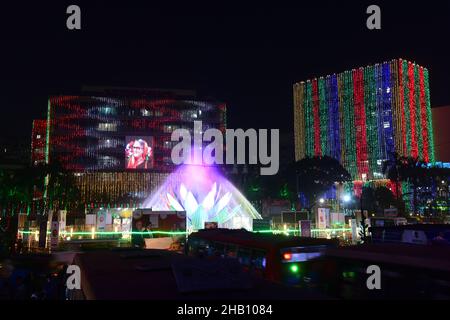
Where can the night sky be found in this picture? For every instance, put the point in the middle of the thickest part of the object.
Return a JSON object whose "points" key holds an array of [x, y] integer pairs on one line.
{"points": [[245, 55]]}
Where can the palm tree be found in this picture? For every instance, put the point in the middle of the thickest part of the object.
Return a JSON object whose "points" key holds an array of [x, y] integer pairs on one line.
{"points": [[316, 175], [391, 169], [409, 169], [18, 188], [384, 197]]}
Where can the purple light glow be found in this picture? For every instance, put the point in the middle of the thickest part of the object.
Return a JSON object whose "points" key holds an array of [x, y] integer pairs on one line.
{"points": [[206, 196]]}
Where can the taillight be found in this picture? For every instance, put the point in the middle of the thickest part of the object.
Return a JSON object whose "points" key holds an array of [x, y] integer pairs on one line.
{"points": [[287, 256]]}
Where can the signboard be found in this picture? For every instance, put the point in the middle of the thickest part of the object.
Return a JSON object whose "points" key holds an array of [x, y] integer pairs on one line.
{"points": [[101, 220], [54, 234], [211, 225], [323, 218], [90, 219], [392, 212], [62, 220], [109, 218], [261, 224], [305, 228], [354, 225], [337, 218]]}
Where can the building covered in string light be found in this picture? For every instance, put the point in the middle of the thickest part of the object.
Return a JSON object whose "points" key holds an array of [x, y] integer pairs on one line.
{"points": [[362, 116], [118, 142]]}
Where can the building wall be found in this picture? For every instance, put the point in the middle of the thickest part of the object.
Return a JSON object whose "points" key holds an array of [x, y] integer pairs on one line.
{"points": [[89, 136], [38, 141], [441, 120], [362, 116]]}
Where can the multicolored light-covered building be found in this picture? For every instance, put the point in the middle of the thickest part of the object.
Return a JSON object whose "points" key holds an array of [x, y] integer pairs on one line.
{"points": [[362, 116], [97, 137]]}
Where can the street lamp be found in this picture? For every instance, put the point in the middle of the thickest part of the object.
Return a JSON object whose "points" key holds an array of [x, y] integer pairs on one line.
{"points": [[346, 198], [321, 200]]}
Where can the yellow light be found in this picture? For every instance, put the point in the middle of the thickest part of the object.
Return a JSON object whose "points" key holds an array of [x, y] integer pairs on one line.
{"points": [[71, 232], [93, 232], [36, 236], [115, 229]]}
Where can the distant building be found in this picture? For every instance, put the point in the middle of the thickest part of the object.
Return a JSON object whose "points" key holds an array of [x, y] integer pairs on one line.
{"points": [[14, 152], [38, 142], [441, 119]]}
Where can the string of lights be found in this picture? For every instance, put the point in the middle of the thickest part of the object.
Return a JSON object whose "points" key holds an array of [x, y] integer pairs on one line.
{"points": [[361, 117]]}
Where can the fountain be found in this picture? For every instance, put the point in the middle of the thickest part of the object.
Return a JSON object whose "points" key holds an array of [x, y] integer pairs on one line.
{"points": [[206, 196]]}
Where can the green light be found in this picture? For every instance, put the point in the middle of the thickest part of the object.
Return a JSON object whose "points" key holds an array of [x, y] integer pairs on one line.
{"points": [[80, 233], [349, 274], [294, 268], [172, 233]]}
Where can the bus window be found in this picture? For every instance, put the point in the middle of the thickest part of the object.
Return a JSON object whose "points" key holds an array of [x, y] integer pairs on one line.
{"points": [[200, 247], [231, 251], [244, 256], [219, 249], [259, 259]]}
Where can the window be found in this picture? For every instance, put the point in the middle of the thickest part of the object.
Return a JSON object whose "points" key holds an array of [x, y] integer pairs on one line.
{"points": [[169, 128], [231, 251], [107, 110], [107, 162], [259, 259], [146, 112], [107, 126], [244, 256], [219, 249]]}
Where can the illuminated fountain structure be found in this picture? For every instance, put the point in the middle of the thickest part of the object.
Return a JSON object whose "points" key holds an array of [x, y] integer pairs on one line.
{"points": [[206, 196]]}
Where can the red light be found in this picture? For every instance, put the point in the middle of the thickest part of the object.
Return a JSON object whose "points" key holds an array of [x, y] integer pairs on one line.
{"points": [[287, 256]]}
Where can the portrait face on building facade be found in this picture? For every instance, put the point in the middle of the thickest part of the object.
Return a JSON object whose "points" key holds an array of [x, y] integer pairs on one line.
{"points": [[139, 153]]}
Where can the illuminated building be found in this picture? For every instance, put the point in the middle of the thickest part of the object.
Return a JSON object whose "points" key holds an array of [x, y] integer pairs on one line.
{"points": [[117, 142], [38, 141], [362, 116]]}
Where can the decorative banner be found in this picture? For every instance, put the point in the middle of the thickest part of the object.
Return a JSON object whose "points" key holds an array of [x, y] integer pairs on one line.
{"points": [[62, 220], [323, 218], [337, 219], [54, 234], [354, 225], [211, 225], [305, 228], [101, 220], [90, 219]]}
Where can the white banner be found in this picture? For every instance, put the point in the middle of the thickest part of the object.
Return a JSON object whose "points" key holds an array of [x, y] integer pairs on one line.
{"points": [[323, 218], [101, 220], [54, 234]]}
